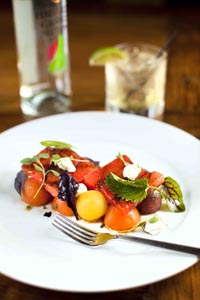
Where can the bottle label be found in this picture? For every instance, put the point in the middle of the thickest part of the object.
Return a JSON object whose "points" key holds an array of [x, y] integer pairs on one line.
{"points": [[57, 59], [51, 24], [42, 44]]}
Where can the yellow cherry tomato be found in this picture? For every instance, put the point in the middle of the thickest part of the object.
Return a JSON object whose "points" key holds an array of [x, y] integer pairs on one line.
{"points": [[91, 205]]}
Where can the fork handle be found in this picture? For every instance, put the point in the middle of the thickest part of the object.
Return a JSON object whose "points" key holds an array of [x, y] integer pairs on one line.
{"points": [[162, 244]]}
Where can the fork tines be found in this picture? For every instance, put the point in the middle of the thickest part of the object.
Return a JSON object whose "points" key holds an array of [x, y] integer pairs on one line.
{"points": [[74, 230]]}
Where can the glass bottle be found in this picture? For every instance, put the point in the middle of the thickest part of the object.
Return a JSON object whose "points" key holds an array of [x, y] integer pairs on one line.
{"points": [[43, 56]]}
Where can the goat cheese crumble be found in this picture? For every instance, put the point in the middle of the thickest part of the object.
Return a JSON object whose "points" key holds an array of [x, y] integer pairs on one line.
{"points": [[65, 163], [156, 226], [131, 171]]}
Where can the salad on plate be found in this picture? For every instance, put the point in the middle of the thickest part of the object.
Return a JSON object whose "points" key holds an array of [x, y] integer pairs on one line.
{"points": [[117, 194]]}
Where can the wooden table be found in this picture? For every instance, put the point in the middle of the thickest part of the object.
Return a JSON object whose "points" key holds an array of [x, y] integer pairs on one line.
{"points": [[90, 29]]}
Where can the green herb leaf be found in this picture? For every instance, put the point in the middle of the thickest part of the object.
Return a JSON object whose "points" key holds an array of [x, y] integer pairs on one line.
{"points": [[173, 195], [142, 224], [55, 172], [154, 219], [38, 168], [55, 158], [55, 144], [126, 189], [43, 155], [28, 160]]}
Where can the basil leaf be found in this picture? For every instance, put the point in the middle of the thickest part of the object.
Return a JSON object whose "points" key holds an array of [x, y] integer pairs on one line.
{"points": [[19, 181], [128, 190], [67, 188], [55, 144], [173, 195]]}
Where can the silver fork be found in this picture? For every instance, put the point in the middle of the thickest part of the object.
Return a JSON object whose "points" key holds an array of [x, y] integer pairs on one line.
{"points": [[90, 237]]}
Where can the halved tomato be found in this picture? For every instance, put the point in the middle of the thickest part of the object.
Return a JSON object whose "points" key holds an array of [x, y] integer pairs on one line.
{"points": [[117, 220]]}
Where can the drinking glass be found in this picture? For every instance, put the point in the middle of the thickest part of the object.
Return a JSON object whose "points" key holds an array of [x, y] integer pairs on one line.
{"points": [[137, 84]]}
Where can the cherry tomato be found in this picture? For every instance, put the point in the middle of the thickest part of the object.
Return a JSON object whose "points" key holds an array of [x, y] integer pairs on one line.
{"points": [[91, 205], [115, 219], [156, 179], [31, 196], [61, 207]]}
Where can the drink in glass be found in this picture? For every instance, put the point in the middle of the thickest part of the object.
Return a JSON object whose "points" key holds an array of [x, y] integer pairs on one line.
{"points": [[137, 84]]}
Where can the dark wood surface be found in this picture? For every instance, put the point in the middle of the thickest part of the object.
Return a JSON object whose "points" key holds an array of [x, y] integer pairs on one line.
{"points": [[90, 29]]}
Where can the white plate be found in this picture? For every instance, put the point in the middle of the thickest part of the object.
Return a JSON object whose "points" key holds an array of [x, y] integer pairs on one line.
{"points": [[34, 252]]}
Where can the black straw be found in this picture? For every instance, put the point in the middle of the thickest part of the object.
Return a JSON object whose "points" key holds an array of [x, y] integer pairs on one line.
{"points": [[167, 44]]}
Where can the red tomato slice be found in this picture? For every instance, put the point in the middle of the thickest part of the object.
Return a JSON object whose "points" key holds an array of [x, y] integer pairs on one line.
{"points": [[116, 166], [122, 205], [93, 179], [108, 194], [83, 169]]}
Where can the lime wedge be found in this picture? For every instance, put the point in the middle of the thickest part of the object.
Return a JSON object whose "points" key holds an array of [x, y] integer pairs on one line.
{"points": [[107, 55]]}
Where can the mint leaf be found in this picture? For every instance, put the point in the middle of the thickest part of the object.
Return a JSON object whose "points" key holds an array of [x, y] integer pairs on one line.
{"points": [[172, 194], [126, 189], [55, 144]]}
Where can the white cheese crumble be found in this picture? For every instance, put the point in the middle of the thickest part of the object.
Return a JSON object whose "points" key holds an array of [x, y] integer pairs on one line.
{"points": [[65, 163], [82, 188], [131, 171], [155, 227]]}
